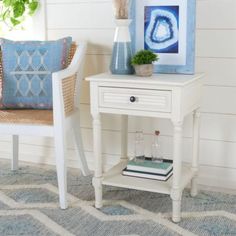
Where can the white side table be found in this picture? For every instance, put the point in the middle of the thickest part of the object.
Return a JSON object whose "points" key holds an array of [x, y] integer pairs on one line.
{"points": [[162, 96]]}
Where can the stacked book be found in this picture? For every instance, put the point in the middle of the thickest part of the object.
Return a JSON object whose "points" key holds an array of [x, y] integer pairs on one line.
{"points": [[150, 169]]}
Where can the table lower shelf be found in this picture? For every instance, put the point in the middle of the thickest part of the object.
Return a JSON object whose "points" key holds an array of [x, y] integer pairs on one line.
{"points": [[114, 177]]}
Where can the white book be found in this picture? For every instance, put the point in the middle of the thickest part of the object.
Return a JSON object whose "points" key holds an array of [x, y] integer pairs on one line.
{"points": [[140, 174]]}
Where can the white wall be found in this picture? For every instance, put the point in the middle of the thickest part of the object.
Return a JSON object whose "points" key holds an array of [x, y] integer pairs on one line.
{"points": [[92, 20]]}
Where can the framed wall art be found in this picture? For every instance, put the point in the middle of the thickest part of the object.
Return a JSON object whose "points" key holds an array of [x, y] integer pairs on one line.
{"points": [[166, 27]]}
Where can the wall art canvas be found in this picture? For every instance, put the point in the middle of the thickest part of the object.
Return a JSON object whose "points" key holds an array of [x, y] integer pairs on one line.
{"points": [[166, 27]]}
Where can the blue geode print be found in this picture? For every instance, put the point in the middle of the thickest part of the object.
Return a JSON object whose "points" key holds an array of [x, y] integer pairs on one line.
{"points": [[161, 29]]}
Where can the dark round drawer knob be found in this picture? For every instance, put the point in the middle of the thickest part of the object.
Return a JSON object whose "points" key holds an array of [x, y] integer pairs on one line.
{"points": [[132, 99]]}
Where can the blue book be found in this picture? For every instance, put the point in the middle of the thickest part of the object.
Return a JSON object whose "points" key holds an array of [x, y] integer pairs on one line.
{"points": [[149, 166]]}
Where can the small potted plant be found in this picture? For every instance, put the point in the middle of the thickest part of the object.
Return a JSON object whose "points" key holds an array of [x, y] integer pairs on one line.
{"points": [[14, 13], [142, 62]]}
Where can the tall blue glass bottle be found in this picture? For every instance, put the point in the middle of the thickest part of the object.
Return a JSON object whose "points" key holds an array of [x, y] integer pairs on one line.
{"points": [[122, 49]]}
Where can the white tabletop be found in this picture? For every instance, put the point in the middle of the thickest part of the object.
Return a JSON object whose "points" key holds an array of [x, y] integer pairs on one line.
{"points": [[161, 79]]}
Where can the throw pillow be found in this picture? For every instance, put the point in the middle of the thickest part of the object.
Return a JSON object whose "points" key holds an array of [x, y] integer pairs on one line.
{"points": [[27, 71]]}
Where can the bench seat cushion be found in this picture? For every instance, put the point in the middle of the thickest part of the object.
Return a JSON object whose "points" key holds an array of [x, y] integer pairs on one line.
{"points": [[43, 117]]}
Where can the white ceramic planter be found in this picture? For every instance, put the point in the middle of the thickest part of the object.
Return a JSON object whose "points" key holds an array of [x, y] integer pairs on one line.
{"points": [[144, 70]]}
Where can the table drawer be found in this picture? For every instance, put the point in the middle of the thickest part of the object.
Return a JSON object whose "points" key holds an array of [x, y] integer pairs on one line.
{"points": [[135, 99]]}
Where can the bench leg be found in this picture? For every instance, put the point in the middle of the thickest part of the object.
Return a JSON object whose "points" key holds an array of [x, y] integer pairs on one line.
{"points": [[15, 152]]}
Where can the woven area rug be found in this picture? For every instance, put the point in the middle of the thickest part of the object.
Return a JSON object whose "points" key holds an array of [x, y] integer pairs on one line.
{"points": [[29, 206]]}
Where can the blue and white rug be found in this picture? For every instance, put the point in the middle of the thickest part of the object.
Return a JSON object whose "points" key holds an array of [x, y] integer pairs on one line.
{"points": [[29, 206]]}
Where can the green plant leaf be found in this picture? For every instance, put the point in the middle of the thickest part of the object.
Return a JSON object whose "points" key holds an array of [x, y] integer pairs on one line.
{"points": [[15, 22], [7, 3], [6, 14], [18, 9], [33, 7]]}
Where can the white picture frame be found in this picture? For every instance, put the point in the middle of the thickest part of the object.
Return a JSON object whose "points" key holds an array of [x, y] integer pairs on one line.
{"points": [[176, 18]]}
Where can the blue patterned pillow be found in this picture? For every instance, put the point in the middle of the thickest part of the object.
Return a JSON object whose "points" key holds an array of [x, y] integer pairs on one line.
{"points": [[27, 71]]}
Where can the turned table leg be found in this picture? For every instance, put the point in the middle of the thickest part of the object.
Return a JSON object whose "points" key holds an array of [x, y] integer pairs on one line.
{"points": [[196, 128], [124, 137], [97, 149], [176, 192]]}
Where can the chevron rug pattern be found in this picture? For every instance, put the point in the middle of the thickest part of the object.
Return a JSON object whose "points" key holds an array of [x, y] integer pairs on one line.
{"points": [[29, 206]]}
